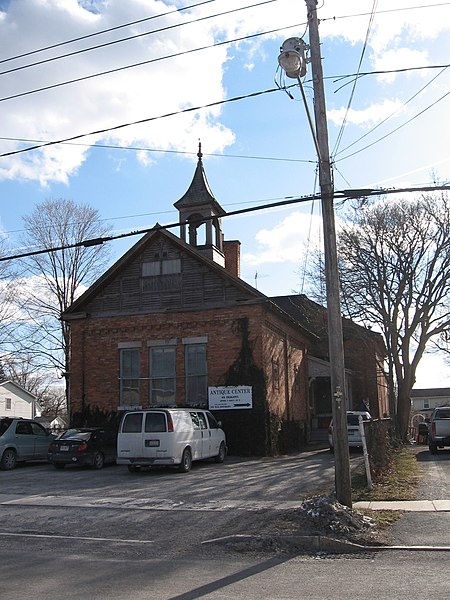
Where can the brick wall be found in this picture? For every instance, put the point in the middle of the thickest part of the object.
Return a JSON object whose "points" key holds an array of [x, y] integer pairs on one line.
{"points": [[278, 419]]}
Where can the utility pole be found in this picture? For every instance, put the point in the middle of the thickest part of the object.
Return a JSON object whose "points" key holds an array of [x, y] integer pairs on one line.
{"points": [[335, 334]]}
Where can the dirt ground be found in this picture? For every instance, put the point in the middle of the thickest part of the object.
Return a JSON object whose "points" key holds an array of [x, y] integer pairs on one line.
{"points": [[316, 516]]}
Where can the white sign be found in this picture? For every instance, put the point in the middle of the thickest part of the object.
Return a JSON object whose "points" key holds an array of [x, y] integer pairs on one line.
{"points": [[230, 397]]}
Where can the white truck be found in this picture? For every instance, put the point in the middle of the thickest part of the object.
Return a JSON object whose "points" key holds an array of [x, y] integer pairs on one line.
{"points": [[439, 429]]}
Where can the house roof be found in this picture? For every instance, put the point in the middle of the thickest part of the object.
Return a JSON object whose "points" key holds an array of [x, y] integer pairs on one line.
{"points": [[10, 383], [254, 295], [430, 392], [135, 250], [314, 316]]}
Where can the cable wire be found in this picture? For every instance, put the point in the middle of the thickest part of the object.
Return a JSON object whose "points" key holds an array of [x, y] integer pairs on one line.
{"points": [[139, 122], [90, 35], [349, 194], [398, 128], [393, 113], [146, 62], [363, 51], [132, 37]]}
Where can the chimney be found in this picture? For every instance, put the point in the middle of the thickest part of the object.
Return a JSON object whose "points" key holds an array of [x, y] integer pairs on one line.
{"points": [[232, 251]]}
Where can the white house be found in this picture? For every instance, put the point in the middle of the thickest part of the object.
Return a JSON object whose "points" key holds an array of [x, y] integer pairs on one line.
{"points": [[425, 400], [15, 401]]}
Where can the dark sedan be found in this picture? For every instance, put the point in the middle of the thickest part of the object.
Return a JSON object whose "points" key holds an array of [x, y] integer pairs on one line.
{"points": [[92, 447]]}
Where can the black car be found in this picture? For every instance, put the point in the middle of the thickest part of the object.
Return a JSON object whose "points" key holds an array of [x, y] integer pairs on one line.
{"points": [[88, 446]]}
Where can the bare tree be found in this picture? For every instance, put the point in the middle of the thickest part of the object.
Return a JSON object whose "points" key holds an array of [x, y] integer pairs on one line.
{"points": [[9, 312], [52, 281], [395, 274]]}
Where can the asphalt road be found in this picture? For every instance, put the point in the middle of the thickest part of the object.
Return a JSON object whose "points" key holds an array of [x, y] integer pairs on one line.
{"points": [[79, 533]]}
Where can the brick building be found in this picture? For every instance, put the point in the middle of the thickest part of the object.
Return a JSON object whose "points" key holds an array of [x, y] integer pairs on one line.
{"points": [[172, 317]]}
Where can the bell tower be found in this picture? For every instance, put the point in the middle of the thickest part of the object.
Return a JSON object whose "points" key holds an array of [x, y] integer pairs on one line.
{"points": [[200, 216]]}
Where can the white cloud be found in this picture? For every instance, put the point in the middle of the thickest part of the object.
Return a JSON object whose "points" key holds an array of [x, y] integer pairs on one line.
{"points": [[145, 92], [369, 116], [400, 58], [433, 368], [287, 241]]}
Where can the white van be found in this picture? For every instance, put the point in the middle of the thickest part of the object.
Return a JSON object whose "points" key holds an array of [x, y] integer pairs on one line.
{"points": [[169, 436]]}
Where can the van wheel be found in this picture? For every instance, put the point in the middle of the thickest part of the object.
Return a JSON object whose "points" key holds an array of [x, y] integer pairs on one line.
{"points": [[222, 453], [186, 461]]}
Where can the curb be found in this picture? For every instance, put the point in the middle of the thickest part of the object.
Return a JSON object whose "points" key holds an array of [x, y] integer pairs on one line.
{"points": [[319, 543]]}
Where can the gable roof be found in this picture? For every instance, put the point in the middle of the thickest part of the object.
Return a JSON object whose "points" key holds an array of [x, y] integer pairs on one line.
{"points": [[18, 388], [430, 392], [135, 250], [254, 295]]}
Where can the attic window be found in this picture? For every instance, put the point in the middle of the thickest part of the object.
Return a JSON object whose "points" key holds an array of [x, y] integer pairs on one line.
{"points": [[161, 267]]}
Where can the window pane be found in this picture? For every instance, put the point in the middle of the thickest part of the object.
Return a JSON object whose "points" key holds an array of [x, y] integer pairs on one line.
{"points": [[163, 362], [196, 359], [132, 423], [196, 378], [162, 376], [129, 376], [150, 269], [171, 266], [162, 391], [155, 422]]}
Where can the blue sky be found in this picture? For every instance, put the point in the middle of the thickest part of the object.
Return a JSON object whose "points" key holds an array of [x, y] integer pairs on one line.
{"points": [[255, 150]]}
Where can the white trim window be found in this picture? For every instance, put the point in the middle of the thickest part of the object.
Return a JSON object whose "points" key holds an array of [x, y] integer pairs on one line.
{"points": [[196, 375], [129, 376], [162, 375]]}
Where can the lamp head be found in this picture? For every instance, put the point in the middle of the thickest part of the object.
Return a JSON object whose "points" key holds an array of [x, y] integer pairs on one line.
{"points": [[292, 58]]}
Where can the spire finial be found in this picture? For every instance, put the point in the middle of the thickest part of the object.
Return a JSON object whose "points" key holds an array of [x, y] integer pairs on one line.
{"points": [[199, 153]]}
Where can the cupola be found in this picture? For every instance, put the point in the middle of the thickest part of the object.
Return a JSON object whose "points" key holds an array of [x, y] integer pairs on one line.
{"points": [[200, 216]]}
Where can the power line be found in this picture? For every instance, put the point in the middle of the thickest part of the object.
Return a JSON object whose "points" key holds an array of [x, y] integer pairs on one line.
{"points": [[388, 10], [132, 37], [90, 35], [147, 62], [139, 122], [165, 151], [393, 113], [397, 128], [184, 8], [363, 51], [43, 144], [350, 194]]}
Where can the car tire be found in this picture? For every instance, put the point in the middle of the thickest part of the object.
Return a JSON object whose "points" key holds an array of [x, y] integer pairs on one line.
{"points": [[186, 461], [332, 449], [9, 460], [98, 461], [222, 454], [433, 448], [59, 465]]}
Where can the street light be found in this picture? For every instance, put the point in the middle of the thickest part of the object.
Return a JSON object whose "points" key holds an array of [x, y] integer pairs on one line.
{"points": [[293, 61], [293, 57]]}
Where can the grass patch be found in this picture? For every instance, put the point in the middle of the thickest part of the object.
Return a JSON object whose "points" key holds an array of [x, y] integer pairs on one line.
{"points": [[399, 480]]}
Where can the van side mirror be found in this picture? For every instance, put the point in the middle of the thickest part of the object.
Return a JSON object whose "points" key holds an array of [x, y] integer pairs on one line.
{"points": [[219, 424]]}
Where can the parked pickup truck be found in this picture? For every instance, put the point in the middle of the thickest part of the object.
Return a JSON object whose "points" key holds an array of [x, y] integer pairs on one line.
{"points": [[439, 429]]}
